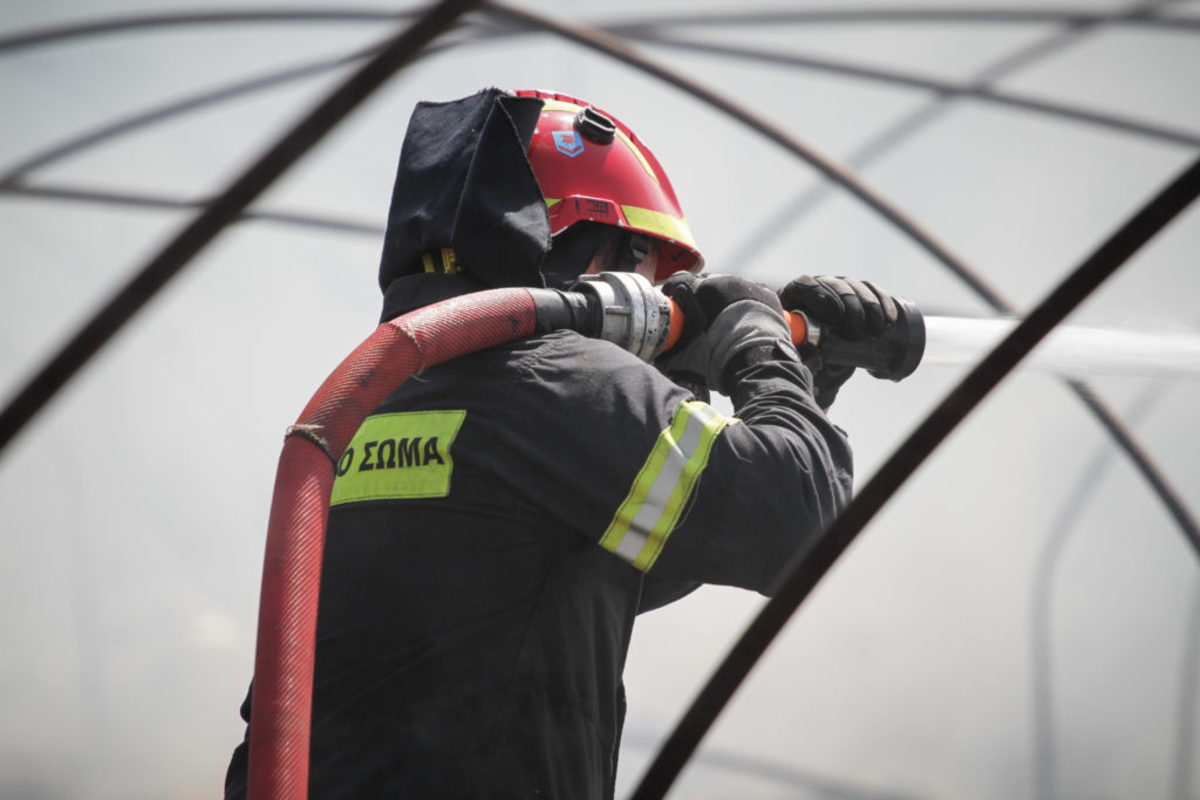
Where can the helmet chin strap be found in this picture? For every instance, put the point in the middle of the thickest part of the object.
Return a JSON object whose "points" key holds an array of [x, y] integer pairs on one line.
{"points": [[631, 251]]}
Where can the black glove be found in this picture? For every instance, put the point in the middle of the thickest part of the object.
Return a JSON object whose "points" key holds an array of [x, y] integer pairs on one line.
{"points": [[845, 307], [723, 316]]}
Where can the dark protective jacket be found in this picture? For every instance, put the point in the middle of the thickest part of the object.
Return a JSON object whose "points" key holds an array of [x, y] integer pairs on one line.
{"points": [[497, 524]]}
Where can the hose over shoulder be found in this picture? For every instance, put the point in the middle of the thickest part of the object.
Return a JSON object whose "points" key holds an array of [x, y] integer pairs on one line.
{"points": [[281, 711], [462, 325]]}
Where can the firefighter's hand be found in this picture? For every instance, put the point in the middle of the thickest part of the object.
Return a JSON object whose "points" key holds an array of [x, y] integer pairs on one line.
{"points": [[723, 316], [849, 308]]}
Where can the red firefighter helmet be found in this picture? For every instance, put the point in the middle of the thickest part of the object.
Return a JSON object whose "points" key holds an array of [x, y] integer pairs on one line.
{"points": [[591, 167]]}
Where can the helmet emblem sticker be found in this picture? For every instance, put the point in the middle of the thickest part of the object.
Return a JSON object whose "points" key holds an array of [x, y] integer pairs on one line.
{"points": [[569, 143]]}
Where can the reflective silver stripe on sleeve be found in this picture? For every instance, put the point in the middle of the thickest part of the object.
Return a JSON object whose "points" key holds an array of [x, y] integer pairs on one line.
{"points": [[650, 511]]}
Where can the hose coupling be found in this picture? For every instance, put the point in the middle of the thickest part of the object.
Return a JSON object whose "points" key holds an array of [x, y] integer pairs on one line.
{"points": [[634, 315]]}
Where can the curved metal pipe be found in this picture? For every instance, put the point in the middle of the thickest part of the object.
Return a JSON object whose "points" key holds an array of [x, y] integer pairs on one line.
{"points": [[52, 34], [970, 15], [248, 186], [809, 565], [109, 197]]}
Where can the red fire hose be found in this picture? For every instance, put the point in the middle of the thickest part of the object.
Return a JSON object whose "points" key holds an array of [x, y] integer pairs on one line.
{"points": [[283, 663]]}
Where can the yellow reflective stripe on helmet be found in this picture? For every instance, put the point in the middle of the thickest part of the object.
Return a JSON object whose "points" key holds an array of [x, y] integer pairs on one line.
{"points": [[649, 513], [550, 104], [661, 225], [637, 153]]}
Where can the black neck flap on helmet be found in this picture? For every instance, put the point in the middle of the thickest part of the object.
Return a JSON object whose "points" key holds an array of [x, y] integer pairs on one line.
{"points": [[464, 185]]}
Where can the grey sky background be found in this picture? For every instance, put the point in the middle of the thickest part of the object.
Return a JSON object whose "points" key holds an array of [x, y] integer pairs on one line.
{"points": [[133, 509]]}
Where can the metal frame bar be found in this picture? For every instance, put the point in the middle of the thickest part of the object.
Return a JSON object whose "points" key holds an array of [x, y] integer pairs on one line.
{"points": [[112, 197]]}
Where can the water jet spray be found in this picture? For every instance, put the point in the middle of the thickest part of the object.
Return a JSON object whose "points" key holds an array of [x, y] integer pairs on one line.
{"points": [[1072, 351]]}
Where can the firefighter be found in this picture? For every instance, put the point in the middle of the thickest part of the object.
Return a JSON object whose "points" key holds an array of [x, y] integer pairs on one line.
{"points": [[497, 524]]}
